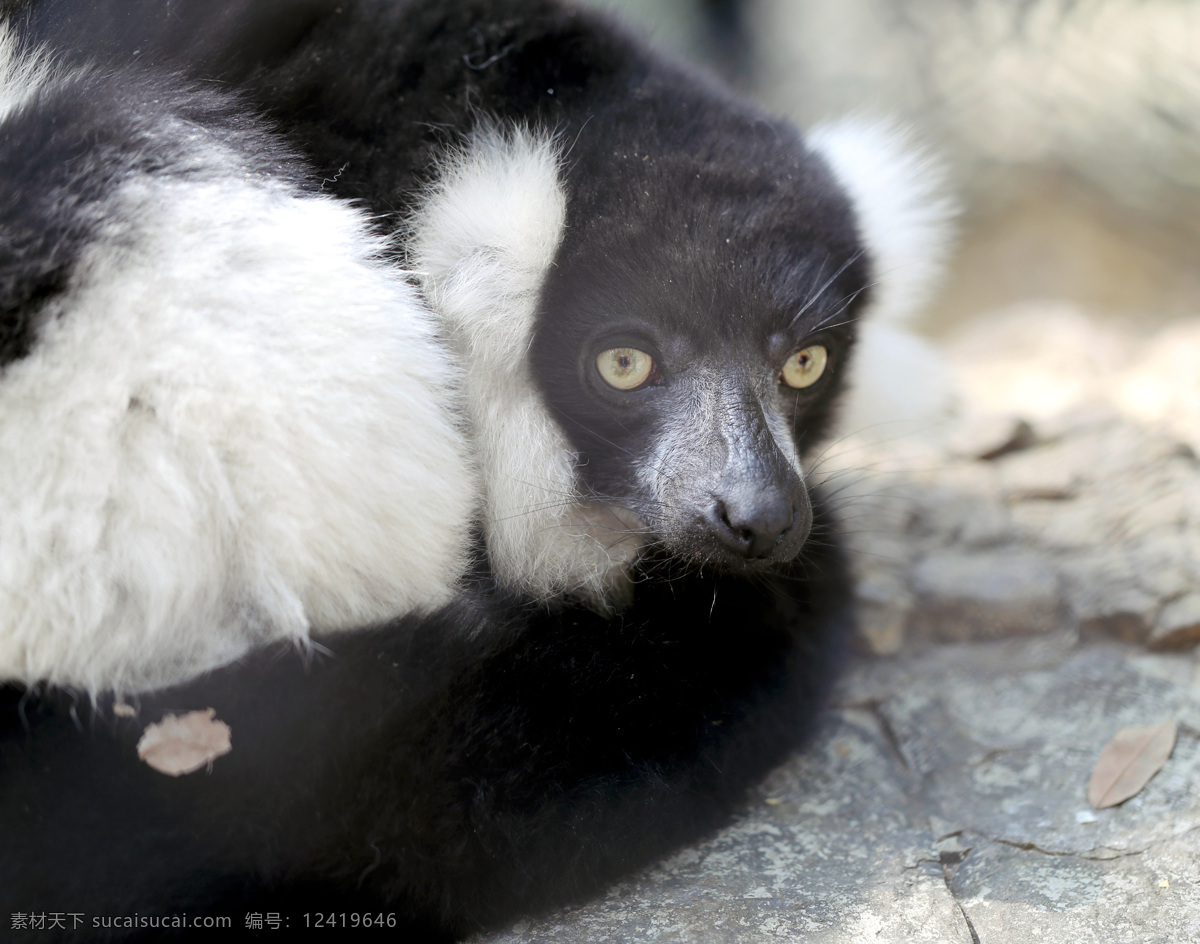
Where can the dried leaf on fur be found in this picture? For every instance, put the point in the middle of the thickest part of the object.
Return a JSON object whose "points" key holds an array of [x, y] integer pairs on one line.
{"points": [[1127, 762], [181, 744]]}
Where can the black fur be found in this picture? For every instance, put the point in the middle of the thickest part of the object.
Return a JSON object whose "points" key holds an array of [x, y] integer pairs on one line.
{"points": [[497, 757], [458, 769], [68, 149]]}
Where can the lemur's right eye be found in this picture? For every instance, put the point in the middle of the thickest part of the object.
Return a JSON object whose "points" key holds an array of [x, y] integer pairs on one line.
{"points": [[626, 368], [805, 367]]}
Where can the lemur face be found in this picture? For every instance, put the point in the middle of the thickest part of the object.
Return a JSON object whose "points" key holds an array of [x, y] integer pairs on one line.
{"points": [[651, 342], [693, 361]]}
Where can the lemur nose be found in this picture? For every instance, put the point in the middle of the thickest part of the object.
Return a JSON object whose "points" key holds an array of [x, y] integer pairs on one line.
{"points": [[751, 525]]}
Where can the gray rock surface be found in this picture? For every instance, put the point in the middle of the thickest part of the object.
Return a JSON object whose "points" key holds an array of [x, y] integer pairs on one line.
{"points": [[945, 801], [1083, 510]]}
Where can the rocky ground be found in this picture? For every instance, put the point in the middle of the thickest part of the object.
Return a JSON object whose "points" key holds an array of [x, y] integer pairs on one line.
{"points": [[1064, 493], [1030, 584]]}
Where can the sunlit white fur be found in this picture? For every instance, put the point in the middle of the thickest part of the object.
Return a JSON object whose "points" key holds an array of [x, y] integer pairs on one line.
{"points": [[483, 243], [233, 428], [21, 74], [897, 381]]}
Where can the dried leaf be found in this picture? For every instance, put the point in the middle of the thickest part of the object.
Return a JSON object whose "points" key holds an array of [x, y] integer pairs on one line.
{"points": [[181, 744], [1134, 755]]}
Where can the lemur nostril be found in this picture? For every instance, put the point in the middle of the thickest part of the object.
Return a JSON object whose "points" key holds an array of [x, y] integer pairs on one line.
{"points": [[723, 516]]}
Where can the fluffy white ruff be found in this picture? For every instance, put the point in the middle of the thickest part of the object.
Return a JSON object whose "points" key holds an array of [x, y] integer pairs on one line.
{"points": [[233, 429], [483, 243], [898, 382], [21, 75]]}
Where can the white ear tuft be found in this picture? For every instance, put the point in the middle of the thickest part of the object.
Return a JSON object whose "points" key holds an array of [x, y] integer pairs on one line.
{"points": [[483, 243], [22, 73], [488, 233], [904, 217], [898, 383]]}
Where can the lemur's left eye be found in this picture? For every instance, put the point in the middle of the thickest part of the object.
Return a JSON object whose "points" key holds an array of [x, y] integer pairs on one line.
{"points": [[805, 367], [626, 368]]}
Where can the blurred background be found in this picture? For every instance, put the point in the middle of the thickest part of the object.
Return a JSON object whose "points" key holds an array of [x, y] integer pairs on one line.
{"points": [[1070, 128]]}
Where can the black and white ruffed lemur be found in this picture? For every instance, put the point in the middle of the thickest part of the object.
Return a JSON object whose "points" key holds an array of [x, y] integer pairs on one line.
{"points": [[644, 295]]}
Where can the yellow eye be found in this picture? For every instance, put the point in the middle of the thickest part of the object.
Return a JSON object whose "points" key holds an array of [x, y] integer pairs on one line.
{"points": [[805, 367], [625, 368]]}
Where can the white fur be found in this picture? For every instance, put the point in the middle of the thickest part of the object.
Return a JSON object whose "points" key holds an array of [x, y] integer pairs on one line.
{"points": [[483, 243], [235, 430], [21, 74], [903, 217], [898, 382]]}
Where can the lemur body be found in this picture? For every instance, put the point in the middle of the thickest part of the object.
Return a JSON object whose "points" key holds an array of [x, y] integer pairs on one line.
{"points": [[650, 292]]}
